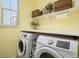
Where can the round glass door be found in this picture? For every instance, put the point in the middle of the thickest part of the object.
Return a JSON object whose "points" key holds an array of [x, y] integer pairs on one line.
{"points": [[46, 52], [21, 47], [46, 55]]}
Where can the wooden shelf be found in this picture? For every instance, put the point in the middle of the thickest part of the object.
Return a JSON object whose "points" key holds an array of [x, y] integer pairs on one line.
{"points": [[55, 13]]}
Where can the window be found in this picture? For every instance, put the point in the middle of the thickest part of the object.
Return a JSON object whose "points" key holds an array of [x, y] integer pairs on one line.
{"points": [[10, 12]]}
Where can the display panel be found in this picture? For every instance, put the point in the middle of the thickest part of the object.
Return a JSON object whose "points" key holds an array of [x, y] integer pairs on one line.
{"points": [[63, 44]]}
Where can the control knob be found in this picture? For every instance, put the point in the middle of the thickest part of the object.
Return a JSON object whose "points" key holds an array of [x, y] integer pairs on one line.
{"points": [[50, 42]]}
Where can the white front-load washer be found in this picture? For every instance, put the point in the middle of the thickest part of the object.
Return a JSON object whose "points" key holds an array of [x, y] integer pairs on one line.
{"points": [[56, 47], [24, 45]]}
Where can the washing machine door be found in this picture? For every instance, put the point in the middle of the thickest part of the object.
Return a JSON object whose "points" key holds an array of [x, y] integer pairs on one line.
{"points": [[21, 48], [46, 52]]}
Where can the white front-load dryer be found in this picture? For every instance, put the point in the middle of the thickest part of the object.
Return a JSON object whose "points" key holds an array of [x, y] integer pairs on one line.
{"points": [[24, 45], [56, 47]]}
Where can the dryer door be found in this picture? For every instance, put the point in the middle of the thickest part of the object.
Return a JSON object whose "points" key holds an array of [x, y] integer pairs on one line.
{"points": [[47, 52], [21, 47]]}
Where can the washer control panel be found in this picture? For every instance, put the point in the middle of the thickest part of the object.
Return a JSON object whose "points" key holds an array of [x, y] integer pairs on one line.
{"points": [[25, 35]]}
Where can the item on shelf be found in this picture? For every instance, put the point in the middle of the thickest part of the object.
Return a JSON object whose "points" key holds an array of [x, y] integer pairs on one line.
{"points": [[77, 3], [35, 24], [62, 5], [48, 8], [44, 11], [36, 13]]}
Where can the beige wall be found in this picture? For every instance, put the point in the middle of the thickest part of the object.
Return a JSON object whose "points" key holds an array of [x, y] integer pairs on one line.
{"points": [[8, 42], [25, 13], [8, 39], [10, 36]]}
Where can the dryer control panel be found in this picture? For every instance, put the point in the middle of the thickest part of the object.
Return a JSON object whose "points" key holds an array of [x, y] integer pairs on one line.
{"points": [[64, 43]]}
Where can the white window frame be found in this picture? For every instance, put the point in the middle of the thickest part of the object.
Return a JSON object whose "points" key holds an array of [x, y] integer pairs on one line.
{"points": [[11, 10]]}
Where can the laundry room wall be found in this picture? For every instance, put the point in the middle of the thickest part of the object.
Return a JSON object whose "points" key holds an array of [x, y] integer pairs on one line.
{"points": [[25, 13], [10, 36], [8, 39], [68, 24]]}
